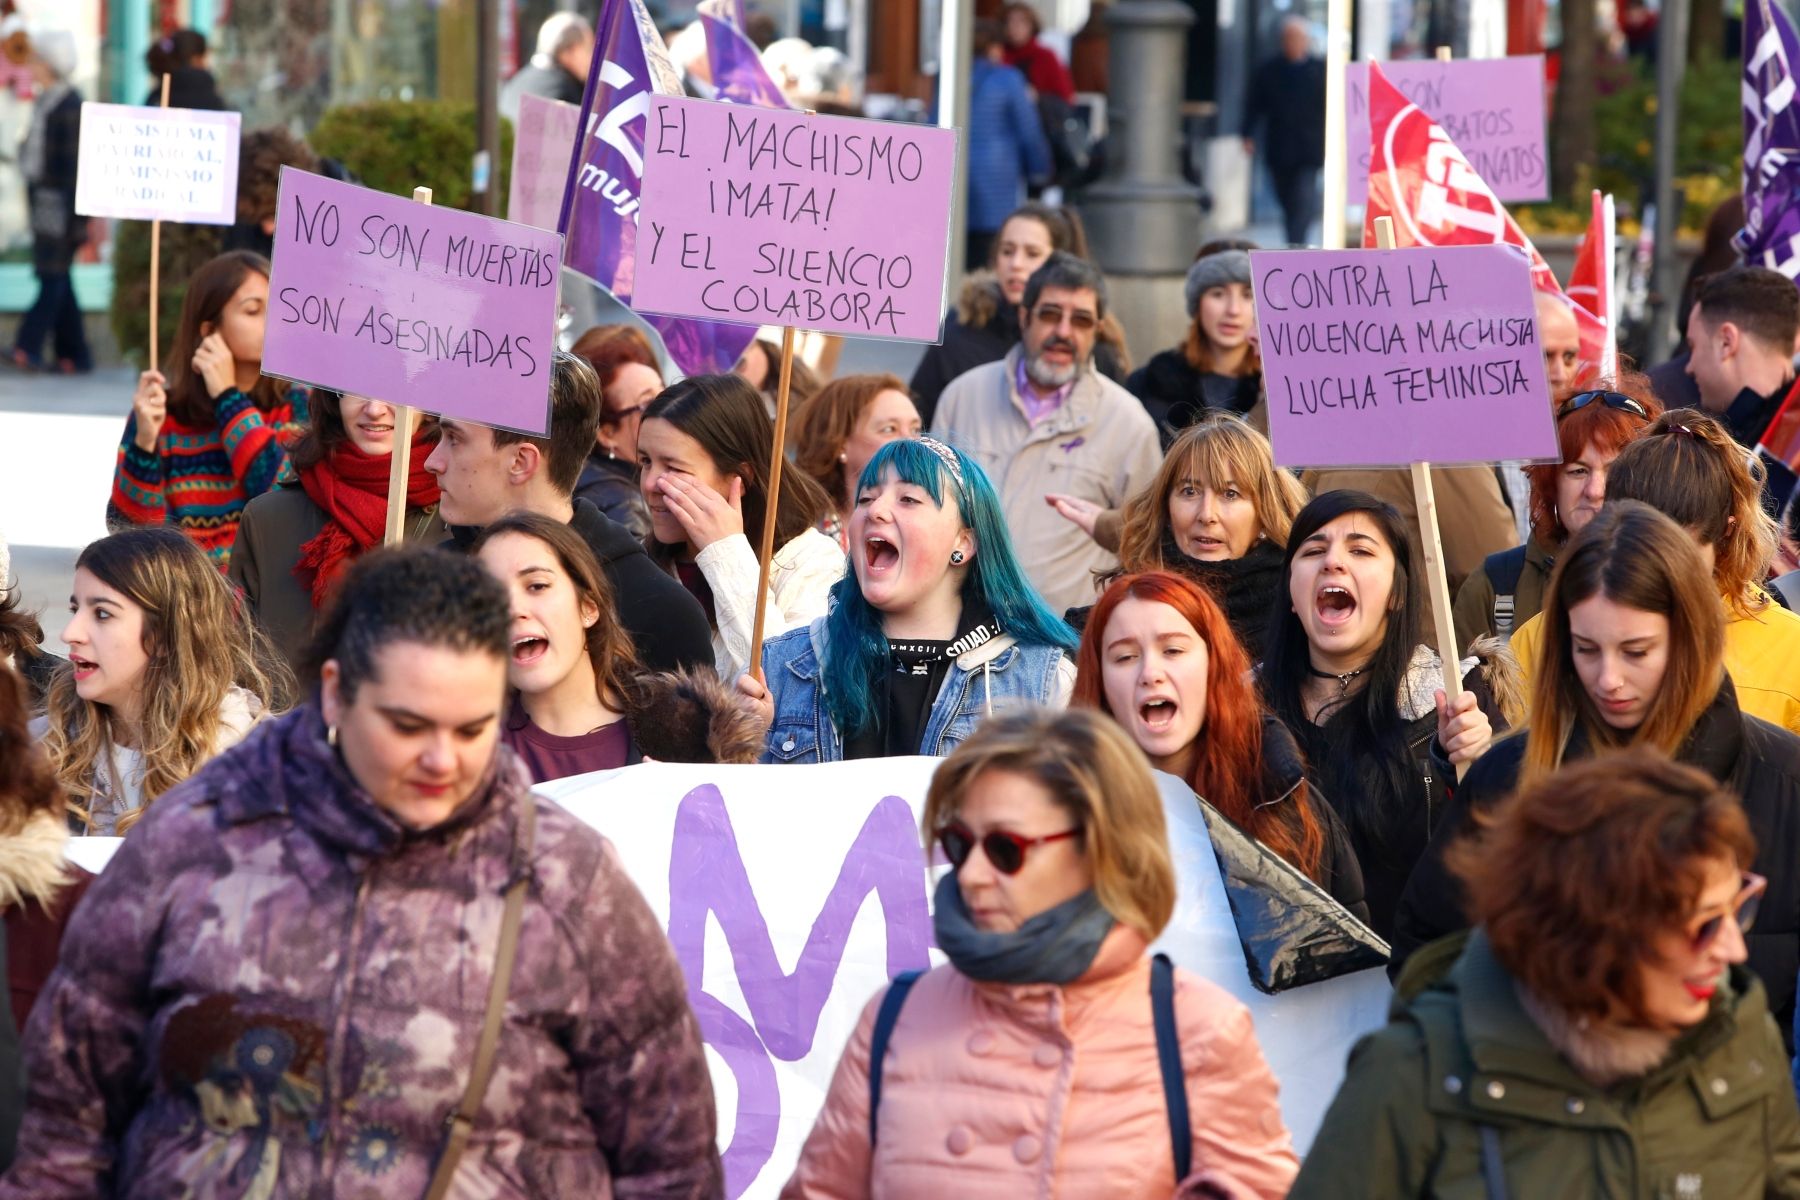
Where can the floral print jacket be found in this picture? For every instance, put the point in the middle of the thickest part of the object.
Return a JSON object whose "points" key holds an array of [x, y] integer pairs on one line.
{"points": [[274, 991]]}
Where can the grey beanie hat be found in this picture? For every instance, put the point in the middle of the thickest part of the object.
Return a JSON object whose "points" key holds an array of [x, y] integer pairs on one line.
{"points": [[1227, 266]]}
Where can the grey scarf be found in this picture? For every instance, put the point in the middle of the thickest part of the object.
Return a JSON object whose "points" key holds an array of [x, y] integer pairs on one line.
{"points": [[1056, 946]]}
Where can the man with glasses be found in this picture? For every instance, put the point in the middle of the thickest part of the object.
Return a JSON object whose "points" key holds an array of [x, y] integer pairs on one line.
{"points": [[1042, 421]]}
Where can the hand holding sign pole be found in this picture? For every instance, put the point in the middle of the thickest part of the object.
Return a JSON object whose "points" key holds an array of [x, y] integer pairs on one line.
{"points": [[400, 460], [776, 458]]}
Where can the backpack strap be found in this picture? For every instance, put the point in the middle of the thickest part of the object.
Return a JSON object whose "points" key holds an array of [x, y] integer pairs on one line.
{"points": [[462, 1121], [1503, 571], [885, 1019], [1168, 1058]]}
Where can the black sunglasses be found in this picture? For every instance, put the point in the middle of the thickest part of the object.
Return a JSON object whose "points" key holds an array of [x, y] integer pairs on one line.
{"points": [[1616, 400], [1005, 850]]}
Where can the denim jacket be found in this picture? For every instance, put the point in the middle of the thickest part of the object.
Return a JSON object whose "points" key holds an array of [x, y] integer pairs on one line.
{"points": [[990, 677]]}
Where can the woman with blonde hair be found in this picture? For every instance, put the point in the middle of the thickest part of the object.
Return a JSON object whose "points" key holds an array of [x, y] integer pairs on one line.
{"points": [[1060, 879], [1633, 654], [1218, 512], [1687, 467], [166, 670], [838, 431]]}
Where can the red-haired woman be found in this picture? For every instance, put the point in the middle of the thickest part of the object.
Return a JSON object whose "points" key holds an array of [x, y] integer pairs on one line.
{"points": [[630, 378], [1159, 657], [1507, 590], [1598, 1034]]}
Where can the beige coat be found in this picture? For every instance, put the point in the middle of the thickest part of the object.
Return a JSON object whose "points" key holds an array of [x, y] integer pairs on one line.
{"points": [[1100, 446]]}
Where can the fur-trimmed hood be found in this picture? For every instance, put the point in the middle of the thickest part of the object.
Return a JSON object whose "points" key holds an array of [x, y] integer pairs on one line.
{"points": [[33, 864], [980, 300], [1425, 675]]}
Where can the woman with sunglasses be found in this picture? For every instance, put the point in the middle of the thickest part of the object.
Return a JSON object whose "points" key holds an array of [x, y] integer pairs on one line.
{"points": [[933, 628], [1687, 467], [1633, 655], [1597, 1035], [1030, 1064], [1591, 428]]}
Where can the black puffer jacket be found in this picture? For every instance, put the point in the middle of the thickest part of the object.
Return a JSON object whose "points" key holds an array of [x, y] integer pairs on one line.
{"points": [[1757, 760], [1176, 394], [1284, 769]]}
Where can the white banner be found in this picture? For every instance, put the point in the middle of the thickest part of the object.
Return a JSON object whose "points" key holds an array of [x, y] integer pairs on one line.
{"points": [[763, 877]]}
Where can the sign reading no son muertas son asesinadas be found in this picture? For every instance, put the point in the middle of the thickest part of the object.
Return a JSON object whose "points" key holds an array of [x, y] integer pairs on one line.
{"points": [[146, 164], [443, 310], [1390, 357], [769, 217]]}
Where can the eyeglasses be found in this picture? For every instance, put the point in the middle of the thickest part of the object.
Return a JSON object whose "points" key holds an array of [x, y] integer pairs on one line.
{"points": [[1743, 909], [1080, 320], [1006, 851], [1616, 400]]}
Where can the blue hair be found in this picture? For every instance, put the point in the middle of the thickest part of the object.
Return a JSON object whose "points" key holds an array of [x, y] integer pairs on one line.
{"points": [[859, 649]]}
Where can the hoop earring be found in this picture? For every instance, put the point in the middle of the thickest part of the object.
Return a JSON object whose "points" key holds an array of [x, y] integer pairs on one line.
{"points": [[331, 736]]}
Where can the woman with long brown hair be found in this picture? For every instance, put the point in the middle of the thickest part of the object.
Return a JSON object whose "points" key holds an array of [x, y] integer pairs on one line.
{"points": [[838, 431], [296, 540], [570, 664], [1218, 366], [1159, 658], [703, 459], [213, 433], [1634, 655], [166, 670]]}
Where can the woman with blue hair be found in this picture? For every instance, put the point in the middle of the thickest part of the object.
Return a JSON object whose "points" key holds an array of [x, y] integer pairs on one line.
{"points": [[934, 627]]}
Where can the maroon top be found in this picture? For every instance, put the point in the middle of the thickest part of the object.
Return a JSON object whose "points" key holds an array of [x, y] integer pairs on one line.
{"points": [[33, 936], [549, 756]]}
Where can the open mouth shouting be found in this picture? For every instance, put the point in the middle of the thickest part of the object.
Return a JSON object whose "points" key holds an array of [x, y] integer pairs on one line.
{"points": [[880, 556], [1157, 714], [84, 668], [1334, 605], [529, 648]]}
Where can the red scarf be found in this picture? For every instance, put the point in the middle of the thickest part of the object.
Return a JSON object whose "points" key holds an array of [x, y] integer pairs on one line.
{"points": [[351, 487]]}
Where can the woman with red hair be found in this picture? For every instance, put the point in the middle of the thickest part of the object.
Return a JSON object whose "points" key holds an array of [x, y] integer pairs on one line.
{"points": [[1159, 657]]}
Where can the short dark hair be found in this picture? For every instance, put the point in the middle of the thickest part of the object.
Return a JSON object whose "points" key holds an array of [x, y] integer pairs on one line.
{"points": [[1575, 875], [409, 594], [985, 36], [1759, 301], [574, 416], [1064, 270]]}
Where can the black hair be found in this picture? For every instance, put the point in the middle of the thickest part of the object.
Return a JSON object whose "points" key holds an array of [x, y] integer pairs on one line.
{"points": [[1064, 270], [1359, 750], [409, 594], [574, 417], [1790, 518], [1760, 301], [175, 51]]}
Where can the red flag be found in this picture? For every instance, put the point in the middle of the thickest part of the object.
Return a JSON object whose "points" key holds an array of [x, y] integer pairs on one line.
{"points": [[1593, 265], [1418, 177], [1781, 440]]}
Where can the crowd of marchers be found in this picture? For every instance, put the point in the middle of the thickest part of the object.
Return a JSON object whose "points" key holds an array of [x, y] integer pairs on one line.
{"points": [[1055, 569]]}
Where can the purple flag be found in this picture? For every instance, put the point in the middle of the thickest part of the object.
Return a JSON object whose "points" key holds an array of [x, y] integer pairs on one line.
{"points": [[738, 75], [606, 173], [1771, 233]]}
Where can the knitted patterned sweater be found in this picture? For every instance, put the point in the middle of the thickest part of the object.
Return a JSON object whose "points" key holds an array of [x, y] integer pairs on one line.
{"points": [[201, 477]]}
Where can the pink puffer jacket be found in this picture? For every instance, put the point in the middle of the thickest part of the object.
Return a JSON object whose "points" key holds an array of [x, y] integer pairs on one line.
{"points": [[1044, 1091]]}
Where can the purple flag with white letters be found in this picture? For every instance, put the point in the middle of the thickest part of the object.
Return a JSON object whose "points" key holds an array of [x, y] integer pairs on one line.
{"points": [[1771, 233], [606, 173], [738, 75]]}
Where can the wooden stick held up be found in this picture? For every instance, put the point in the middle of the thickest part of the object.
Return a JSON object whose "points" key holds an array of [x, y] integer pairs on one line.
{"points": [[400, 462], [156, 259], [777, 457]]}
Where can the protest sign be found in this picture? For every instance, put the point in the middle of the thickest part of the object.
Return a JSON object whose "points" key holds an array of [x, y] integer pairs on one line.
{"points": [[543, 140], [1390, 357], [1493, 109], [434, 308], [764, 877], [771, 217], [145, 164]]}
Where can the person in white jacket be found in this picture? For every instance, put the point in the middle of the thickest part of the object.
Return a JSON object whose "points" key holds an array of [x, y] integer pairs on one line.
{"points": [[703, 459]]}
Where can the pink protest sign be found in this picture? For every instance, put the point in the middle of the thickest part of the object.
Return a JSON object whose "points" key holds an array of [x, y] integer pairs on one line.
{"points": [[543, 140], [770, 217], [1389, 357], [146, 164], [431, 307], [1492, 108]]}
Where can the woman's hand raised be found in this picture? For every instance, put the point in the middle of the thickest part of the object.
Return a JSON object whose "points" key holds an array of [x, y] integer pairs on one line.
{"points": [[706, 517], [151, 405], [1463, 732]]}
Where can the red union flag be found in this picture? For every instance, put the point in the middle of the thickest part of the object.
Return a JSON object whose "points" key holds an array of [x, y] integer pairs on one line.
{"points": [[1418, 177], [1590, 287]]}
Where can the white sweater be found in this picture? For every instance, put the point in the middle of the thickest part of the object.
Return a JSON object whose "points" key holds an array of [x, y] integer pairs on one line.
{"points": [[800, 582]]}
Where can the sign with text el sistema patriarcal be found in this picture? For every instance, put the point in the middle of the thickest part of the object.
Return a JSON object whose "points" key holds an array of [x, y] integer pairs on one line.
{"points": [[1389, 357], [443, 310], [770, 217], [138, 163]]}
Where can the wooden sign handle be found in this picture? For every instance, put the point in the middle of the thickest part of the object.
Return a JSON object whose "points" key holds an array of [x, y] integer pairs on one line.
{"points": [[400, 461], [156, 259], [777, 456], [1437, 579]]}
